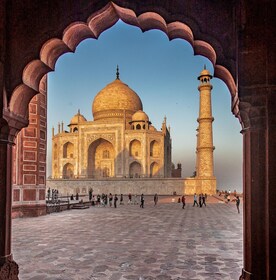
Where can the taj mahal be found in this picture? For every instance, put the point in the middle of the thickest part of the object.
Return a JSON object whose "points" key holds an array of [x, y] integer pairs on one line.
{"points": [[121, 144]]}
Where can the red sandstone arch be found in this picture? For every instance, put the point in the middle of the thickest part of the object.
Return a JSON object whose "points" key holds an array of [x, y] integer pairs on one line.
{"points": [[76, 32]]}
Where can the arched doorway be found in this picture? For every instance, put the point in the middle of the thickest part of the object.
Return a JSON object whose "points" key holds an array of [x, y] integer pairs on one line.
{"points": [[135, 170], [101, 159], [68, 171], [154, 149], [68, 150], [135, 149], [154, 169]]}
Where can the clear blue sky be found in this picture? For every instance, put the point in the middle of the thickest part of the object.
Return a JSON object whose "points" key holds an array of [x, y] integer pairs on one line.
{"points": [[164, 74]]}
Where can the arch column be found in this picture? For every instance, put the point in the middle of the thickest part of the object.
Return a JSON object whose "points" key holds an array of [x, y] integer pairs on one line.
{"points": [[259, 191], [8, 267]]}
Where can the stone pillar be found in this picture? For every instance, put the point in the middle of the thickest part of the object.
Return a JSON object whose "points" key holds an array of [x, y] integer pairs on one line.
{"points": [[8, 268], [257, 95], [259, 190]]}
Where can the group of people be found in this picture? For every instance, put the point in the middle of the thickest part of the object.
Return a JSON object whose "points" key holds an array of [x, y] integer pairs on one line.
{"points": [[201, 200], [112, 200], [52, 195]]}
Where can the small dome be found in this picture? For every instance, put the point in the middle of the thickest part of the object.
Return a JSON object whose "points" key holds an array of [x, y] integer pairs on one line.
{"points": [[204, 72], [78, 118], [115, 100], [140, 116]]}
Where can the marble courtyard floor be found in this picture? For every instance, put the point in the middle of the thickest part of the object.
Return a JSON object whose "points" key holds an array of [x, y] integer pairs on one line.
{"points": [[162, 242]]}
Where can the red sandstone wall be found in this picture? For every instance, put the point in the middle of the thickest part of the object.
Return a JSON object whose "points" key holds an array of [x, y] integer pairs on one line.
{"points": [[29, 160]]}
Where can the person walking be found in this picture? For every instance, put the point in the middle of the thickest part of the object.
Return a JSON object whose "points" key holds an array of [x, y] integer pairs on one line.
{"points": [[129, 198], [200, 200], [155, 199], [121, 199], [195, 200], [110, 199], [115, 201], [142, 201], [203, 200], [183, 199], [238, 203]]}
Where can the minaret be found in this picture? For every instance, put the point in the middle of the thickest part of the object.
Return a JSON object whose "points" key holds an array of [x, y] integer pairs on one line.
{"points": [[205, 148]]}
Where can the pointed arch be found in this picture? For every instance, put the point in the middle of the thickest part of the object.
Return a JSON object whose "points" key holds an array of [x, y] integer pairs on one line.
{"points": [[68, 171], [154, 149], [154, 169], [135, 148], [135, 170], [101, 159], [68, 150]]}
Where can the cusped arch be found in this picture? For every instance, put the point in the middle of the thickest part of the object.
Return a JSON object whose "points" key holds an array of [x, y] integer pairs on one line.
{"points": [[95, 25], [135, 148], [135, 170]]}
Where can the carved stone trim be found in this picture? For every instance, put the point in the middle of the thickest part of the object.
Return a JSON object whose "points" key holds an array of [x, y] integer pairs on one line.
{"points": [[245, 275], [109, 137], [9, 270]]}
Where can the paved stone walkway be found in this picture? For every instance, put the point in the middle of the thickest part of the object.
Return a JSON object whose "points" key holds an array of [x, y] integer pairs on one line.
{"points": [[162, 242]]}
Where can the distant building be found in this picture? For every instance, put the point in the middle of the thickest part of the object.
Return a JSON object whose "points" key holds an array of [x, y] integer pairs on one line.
{"points": [[119, 142], [176, 172]]}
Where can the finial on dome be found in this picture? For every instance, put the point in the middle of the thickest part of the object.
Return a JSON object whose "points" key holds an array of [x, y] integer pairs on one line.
{"points": [[78, 111], [117, 73], [204, 66]]}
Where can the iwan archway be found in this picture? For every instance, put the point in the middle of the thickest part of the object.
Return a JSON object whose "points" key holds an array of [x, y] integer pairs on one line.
{"points": [[233, 36]]}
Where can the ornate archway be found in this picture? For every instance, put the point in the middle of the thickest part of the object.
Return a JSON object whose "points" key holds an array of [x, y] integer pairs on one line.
{"points": [[233, 35], [101, 159]]}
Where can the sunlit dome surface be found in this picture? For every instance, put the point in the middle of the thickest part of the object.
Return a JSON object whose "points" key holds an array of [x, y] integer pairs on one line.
{"points": [[115, 100]]}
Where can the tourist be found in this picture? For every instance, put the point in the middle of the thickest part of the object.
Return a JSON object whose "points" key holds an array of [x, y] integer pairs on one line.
{"points": [[72, 197], [77, 196], [49, 193], [98, 200], [238, 203], [195, 200], [183, 201], [121, 199], [142, 201], [93, 200], [115, 201], [205, 196], [90, 194], [105, 200], [129, 198], [155, 199], [204, 199], [200, 200], [110, 199]]}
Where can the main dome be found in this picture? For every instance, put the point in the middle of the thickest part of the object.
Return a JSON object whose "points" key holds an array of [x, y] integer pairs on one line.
{"points": [[115, 101]]}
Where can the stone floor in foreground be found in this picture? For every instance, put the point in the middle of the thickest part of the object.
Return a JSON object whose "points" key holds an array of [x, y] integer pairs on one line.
{"points": [[162, 242]]}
